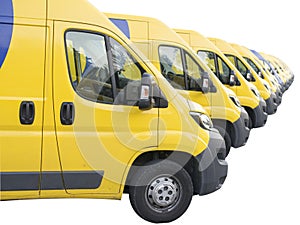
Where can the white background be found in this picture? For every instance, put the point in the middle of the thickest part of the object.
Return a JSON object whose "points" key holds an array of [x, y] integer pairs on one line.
{"points": [[263, 182]]}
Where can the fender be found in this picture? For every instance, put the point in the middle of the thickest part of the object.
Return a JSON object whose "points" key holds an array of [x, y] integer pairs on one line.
{"points": [[6, 27]]}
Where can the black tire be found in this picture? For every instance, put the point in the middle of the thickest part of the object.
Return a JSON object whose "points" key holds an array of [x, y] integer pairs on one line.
{"points": [[226, 136], [162, 191]]}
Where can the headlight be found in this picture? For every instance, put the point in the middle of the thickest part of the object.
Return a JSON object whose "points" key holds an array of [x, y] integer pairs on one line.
{"points": [[255, 92], [203, 120], [235, 100]]}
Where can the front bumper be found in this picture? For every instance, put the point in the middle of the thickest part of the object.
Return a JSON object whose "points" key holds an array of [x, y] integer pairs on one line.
{"points": [[211, 168], [260, 114], [241, 130], [271, 104]]}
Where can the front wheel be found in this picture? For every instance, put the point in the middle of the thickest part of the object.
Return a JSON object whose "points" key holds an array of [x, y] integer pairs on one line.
{"points": [[161, 191]]}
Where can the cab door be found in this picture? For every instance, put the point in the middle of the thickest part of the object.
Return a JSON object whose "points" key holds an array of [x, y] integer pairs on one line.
{"points": [[183, 73], [21, 104], [224, 73], [98, 123], [194, 76]]}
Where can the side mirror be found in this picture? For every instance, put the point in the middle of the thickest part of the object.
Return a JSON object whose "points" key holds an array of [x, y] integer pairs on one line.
{"points": [[261, 75], [248, 76], [205, 82], [145, 101], [160, 100], [212, 88], [232, 78]]}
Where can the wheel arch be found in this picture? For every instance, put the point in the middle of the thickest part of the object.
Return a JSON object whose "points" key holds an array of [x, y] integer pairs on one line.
{"points": [[186, 160]]}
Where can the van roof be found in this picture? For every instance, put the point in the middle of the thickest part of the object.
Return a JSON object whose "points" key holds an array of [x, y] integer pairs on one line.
{"points": [[157, 30], [224, 46], [196, 39], [67, 10]]}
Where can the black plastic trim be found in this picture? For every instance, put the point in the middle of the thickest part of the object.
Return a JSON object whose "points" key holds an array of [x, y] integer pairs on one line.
{"points": [[211, 167], [241, 130], [27, 112], [51, 180], [260, 114]]}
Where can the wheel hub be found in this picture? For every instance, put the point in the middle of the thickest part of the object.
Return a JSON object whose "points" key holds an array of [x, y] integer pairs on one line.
{"points": [[163, 192]]}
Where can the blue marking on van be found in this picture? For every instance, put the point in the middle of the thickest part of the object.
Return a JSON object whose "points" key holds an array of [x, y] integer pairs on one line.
{"points": [[122, 25], [6, 27]]}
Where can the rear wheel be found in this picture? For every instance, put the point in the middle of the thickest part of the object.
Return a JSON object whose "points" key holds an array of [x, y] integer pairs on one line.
{"points": [[162, 191]]}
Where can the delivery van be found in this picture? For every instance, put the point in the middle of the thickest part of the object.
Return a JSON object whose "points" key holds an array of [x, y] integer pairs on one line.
{"points": [[286, 76], [269, 69], [275, 70], [263, 87], [227, 74], [184, 70], [245, 71], [285, 68], [253, 61], [85, 116]]}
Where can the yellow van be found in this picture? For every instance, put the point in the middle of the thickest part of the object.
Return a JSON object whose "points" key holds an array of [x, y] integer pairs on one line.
{"points": [[185, 71], [254, 62], [285, 75], [241, 65], [275, 71], [85, 116], [285, 68], [269, 69], [263, 87], [226, 72]]}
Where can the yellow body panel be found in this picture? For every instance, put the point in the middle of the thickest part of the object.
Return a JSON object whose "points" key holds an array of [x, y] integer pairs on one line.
{"points": [[20, 145], [103, 137]]}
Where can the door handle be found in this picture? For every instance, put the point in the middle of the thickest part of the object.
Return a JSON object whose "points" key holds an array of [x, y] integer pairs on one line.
{"points": [[27, 112], [67, 113]]}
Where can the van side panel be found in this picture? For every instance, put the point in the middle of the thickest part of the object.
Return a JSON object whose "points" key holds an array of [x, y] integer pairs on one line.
{"points": [[21, 101]]}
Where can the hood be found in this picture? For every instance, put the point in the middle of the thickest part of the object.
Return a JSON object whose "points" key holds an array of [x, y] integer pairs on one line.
{"points": [[195, 107], [229, 92]]}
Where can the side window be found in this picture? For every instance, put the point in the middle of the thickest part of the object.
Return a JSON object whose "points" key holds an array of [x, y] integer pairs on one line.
{"points": [[172, 66], [209, 59], [194, 72], [252, 64], [242, 68], [88, 66], [127, 74], [224, 71], [100, 71], [231, 59]]}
